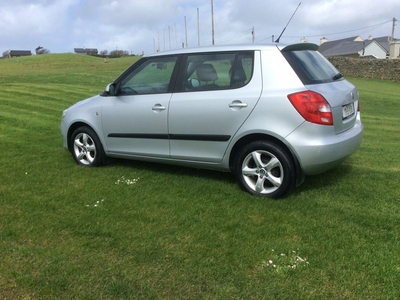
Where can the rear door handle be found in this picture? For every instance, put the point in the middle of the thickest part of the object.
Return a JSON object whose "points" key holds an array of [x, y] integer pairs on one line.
{"points": [[237, 104], [158, 107]]}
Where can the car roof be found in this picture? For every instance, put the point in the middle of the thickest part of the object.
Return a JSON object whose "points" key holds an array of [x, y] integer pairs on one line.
{"points": [[238, 47]]}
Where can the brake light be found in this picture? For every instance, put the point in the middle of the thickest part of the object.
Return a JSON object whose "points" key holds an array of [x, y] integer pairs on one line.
{"points": [[313, 107]]}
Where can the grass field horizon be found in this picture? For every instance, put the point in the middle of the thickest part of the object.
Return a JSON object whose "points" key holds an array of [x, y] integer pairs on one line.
{"points": [[135, 230]]}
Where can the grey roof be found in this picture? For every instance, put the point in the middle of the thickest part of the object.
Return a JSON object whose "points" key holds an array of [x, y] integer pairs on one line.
{"points": [[331, 44], [345, 48], [348, 46], [19, 52], [384, 42]]}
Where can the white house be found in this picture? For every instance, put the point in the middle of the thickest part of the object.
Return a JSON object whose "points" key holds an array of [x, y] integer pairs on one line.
{"points": [[395, 49], [373, 49]]}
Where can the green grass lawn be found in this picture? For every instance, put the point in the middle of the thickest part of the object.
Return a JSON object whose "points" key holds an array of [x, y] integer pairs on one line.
{"points": [[134, 230]]}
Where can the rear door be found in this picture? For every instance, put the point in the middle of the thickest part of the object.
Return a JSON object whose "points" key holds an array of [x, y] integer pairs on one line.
{"points": [[218, 92]]}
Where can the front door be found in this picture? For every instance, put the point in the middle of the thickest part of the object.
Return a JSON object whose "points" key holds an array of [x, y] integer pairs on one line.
{"points": [[135, 121]]}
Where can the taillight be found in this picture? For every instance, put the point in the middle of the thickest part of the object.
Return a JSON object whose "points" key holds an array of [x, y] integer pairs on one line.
{"points": [[313, 107]]}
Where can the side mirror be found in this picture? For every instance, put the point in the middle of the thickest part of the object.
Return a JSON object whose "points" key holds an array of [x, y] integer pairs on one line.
{"points": [[110, 89]]}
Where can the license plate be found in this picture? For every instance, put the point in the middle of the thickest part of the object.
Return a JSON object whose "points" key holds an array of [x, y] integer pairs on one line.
{"points": [[347, 110]]}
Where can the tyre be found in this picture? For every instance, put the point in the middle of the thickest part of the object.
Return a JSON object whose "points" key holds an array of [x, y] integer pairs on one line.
{"points": [[86, 147], [265, 169]]}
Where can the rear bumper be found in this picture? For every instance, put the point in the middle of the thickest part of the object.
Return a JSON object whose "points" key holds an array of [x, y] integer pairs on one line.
{"points": [[319, 149]]}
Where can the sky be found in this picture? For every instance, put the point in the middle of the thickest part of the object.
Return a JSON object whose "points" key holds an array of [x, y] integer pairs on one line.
{"points": [[146, 26]]}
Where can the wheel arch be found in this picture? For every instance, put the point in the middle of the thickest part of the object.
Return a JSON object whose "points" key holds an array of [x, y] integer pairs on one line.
{"points": [[300, 176], [71, 130], [75, 126], [105, 158]]}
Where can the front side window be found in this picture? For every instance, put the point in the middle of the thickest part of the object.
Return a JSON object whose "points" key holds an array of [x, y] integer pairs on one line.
{"points": [[153, 76], [217, 71]]}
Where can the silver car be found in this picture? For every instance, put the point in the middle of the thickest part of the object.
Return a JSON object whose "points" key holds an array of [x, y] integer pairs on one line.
{"points": [[270, 114]]}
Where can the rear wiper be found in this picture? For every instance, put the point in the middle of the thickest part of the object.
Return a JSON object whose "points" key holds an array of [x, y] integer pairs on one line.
{"points": [[337, 76]]}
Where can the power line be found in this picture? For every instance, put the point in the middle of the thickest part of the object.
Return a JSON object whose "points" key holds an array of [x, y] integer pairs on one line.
{"points": [[327, 34], [235, 36], [358, 29]]}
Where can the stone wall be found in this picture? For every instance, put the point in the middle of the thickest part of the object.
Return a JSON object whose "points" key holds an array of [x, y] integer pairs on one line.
{"points": [[387, 69]]}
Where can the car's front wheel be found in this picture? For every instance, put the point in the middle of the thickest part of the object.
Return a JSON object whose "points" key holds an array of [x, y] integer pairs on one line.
{"points": [[86, 147], [265, 169]]}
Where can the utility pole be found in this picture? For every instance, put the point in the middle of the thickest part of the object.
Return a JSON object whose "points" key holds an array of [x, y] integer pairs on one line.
{"points": [[163, 37], [158, 42], [394, 24], [212, 21], [169, 37], [198, 27], [253, 34], [176, 38], [186, 39]]}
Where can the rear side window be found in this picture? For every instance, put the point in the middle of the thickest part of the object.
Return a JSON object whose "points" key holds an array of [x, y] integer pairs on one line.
{"points": [[311, 66], [217, 71]]}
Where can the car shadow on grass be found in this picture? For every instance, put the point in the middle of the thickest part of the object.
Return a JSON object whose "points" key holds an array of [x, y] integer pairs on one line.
{"points": [[327, 180], [319, 182], [166, 169]]}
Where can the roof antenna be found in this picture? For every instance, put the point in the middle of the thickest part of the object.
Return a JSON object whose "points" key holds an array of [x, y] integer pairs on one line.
{"points": [[277, 40]]}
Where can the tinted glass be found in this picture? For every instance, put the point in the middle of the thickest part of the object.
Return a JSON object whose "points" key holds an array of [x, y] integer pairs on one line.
{"points": [[311, 66], [151, 77], [216, 71], [243, 69]]}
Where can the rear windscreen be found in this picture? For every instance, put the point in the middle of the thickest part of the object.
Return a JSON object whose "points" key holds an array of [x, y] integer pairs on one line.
{"points": [[311, 66]]}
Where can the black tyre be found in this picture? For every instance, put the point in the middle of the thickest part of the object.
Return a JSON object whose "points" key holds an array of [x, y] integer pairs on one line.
{"points": [[265, 169], [86, 147]]}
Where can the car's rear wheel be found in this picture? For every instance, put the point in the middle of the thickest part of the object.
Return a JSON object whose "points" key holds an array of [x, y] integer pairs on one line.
{"points": [[265, 169], [86, 147]]}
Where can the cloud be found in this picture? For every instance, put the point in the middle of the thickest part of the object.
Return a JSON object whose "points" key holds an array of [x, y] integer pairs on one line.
{"points": [[25, 25], [136, 26]]}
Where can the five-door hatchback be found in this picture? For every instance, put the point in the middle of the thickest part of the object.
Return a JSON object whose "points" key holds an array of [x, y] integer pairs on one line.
{"points": [[271, 114]]}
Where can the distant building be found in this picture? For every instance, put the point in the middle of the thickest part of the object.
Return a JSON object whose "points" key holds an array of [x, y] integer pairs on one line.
{"points": [[18, 53], [394, 49], [89, 51], [357, 47]]}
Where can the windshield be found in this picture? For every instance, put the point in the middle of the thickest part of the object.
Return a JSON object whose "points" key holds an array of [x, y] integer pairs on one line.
{"points": [[311, 66]]}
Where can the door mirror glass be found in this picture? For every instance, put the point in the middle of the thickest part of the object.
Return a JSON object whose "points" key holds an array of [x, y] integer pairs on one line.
{"points": [[194, 82]]}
